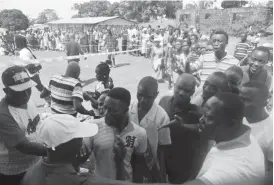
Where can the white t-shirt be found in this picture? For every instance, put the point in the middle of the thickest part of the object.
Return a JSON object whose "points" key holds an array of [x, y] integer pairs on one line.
{"points": [[263, 133], [25, 54], [239, 161]]}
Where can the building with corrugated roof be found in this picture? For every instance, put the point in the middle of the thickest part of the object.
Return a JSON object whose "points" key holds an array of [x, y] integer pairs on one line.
{"points": [[87, 22]]}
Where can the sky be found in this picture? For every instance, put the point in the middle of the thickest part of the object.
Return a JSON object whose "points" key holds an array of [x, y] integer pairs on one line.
{"points": [[63, 7]]}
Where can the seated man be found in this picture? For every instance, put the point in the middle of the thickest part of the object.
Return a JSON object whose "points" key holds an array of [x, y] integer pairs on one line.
{"points": [[66, 92], [146, 113], [254, 95], [19, 118], [114, 127]]}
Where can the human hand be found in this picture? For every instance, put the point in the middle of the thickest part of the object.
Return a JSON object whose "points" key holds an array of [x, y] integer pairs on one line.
{"points": [[86, 96], [83, 154], [91, 113]]}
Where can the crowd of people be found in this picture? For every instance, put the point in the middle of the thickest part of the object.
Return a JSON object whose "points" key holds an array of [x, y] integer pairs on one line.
{"points": [[215, 129]]}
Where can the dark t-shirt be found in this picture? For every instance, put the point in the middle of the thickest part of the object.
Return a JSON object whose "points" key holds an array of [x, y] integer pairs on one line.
{"points": [[73, 49], [181, 156]]}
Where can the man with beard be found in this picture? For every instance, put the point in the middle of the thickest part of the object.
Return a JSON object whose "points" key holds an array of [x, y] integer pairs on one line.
{"points": [[151, 117], [220, 60], [216, 82], [255, 70], [116, 127], [180, 160], [254, 95]]}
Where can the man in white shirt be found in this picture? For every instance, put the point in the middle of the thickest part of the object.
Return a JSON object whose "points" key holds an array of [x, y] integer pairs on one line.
{"points": [[254, 95], [149, 115]]}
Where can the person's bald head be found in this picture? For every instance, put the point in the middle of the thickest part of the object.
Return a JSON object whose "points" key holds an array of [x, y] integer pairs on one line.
{"points": [[73, 70], [147, 92]]}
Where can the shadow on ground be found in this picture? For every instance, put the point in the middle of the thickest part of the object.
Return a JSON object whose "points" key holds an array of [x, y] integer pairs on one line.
{"points": [[123, 64]]}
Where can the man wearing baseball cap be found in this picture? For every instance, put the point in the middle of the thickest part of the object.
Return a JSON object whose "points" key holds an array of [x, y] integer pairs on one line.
{"points": [[62, 134], [19, 147]]}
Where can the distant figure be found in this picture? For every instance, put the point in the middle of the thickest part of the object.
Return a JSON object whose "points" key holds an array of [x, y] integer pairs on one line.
{"points": [[73, 49]]}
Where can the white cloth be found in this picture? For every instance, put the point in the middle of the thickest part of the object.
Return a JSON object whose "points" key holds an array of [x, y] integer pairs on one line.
{"points": [[151, 122], [239, 161], [25, 54], [263, 133]]}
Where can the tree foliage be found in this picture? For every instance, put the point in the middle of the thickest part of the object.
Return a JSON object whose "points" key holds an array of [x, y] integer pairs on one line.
{"points": [[233, 4], [13, 19], [141, 11], [47, 15]]}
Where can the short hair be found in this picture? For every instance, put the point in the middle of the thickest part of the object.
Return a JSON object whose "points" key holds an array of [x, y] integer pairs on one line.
{"points": [[236, 69], [223, 77], [262, 49], [149, 82], [262, 89], [195, 35], [232, 106], [103, 66], [121, 94], [220, 32], [20, 41]]}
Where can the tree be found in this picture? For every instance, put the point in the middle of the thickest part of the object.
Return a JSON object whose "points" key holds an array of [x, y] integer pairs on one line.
{"points": [[13, 19], [233, 4], [92, 8], [47, 15]]}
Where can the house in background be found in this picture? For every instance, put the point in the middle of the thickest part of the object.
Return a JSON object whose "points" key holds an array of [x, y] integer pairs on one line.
{"points": [[87, 22]]}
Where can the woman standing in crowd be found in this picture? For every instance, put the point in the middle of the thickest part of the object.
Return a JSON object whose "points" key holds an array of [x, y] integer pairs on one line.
{"points": [[157, 59], [178, 60], [145, 38]]}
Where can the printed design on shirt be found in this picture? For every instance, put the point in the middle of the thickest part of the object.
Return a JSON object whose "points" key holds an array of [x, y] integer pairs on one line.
{"points": [[130, 140], [20, 77], [33, 124]]}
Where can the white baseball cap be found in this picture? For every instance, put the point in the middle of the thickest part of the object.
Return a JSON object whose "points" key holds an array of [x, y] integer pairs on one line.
{"points": [[61, 128]]}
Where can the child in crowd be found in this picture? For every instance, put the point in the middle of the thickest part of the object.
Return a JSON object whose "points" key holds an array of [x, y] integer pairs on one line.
{"points": [[235, 76]]}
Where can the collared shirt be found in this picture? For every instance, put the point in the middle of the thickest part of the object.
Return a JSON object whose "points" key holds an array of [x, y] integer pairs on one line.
{"points": [[43, 173], [210, 64], [238, 161], [151, 122], [14, 124], [263, 132], [134, 137]]}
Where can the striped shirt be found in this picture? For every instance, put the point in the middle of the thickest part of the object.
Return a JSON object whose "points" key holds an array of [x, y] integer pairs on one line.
{"points": [[242, 49], [134, 137], [210, 64], [63, 89]]}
